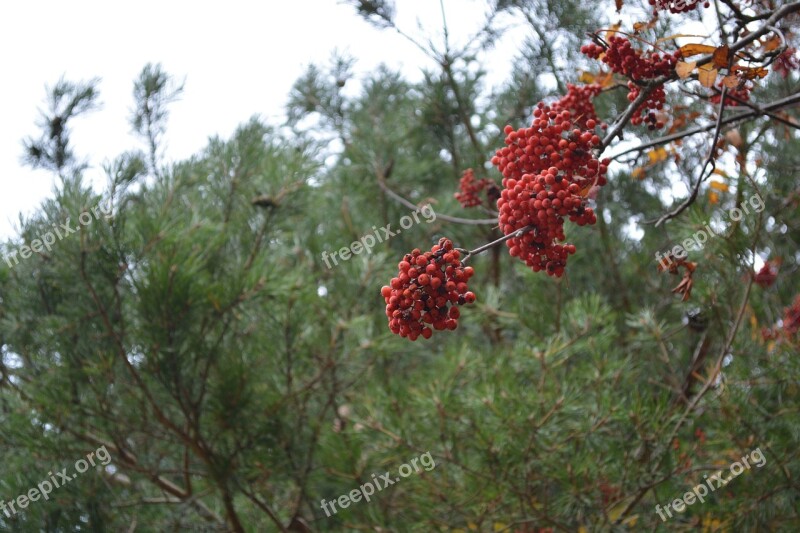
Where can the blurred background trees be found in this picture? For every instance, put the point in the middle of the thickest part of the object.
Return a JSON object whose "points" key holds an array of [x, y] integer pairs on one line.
{"points": [[237, 380]]}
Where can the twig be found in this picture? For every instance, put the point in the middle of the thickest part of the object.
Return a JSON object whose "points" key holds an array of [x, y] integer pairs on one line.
{"points": [[504, 238], [626, 116], [447, 218], [789, 101], [710, 160]]}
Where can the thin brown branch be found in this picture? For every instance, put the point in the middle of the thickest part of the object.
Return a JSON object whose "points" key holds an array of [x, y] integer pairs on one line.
{"points": [[789, 101], [446, 218], [710, 160], [504, 238]]}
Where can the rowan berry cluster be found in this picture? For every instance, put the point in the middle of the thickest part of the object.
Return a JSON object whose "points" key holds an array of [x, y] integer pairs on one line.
{"points": [[786, 62], [470, 189], [768, 274], [677, 6], [427, 290], [623, 58], [545, 169], [791, 318], [740, 92], [647, 111], [789, 325]]}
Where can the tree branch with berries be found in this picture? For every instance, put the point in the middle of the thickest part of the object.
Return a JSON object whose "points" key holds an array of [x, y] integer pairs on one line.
{"points": [[553, 166]]}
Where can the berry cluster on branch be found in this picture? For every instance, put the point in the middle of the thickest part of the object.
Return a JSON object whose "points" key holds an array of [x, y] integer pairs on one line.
{"points": [[787, 62], [427, 291], [677, 6], [470, 188], [553, 166], [546, 168], [733, 95], [622, 58]]}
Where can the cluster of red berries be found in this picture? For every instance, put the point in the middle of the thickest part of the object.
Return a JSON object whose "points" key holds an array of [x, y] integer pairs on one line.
{"points": [[470, 188], [677, 6], [768, 274], [791, 317], [545, 169], [427, 290], [623, 58], [790, 325], [786, 62], [740, 92], [648, 111]]}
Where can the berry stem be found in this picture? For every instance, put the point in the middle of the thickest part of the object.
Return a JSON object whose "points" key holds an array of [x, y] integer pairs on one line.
{"points": [[504, 238]]}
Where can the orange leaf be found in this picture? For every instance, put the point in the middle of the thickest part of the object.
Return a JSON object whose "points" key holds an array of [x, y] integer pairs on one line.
{"points": [[718, 185], [734, 137], [713, 197], [641, 26], [639, 173], [720, 172], [730, 81], [721, 54], [750, 73], [772, 44], [586, 77], [604, 79], [689, 50], [683, 69], [707, 77]]}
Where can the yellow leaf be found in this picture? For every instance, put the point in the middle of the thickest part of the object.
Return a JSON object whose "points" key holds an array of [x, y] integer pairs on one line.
{"points": [[658, 155], [586, 77], [638, 173], [613, 29], [499, 526], [720, 172], [678, 36], [689, 50], [616, 511], [707, 77], [718, 185], [683, 69], [713, 198]]}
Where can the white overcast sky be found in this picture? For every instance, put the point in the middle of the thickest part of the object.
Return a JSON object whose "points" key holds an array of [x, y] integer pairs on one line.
{"points": [[238, 58]]}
